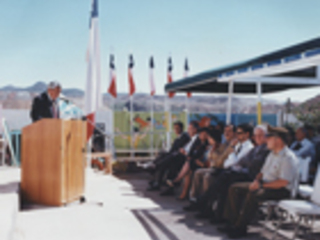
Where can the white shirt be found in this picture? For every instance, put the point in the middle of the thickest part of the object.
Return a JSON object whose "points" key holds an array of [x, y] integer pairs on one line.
{"points": [[307, 149], [187, 147], [236, 155], [283, 165]]}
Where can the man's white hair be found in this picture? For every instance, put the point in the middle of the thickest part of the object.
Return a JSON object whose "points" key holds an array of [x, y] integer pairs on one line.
{"points": [[262, 127], [54, 85]]}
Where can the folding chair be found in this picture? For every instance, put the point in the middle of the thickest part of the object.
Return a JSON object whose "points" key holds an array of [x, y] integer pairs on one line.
{"points": [[299, 210], [271, 205]]}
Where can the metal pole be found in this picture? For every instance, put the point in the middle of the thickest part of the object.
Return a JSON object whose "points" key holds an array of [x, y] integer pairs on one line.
{"points": [[229, 107], [131, 128], [167, 119], [113, 127], [259, 110], [187, 110], [152, 127]]}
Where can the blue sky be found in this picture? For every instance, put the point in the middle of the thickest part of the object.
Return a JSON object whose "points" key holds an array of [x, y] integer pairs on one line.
{"points": [[45, 40]]}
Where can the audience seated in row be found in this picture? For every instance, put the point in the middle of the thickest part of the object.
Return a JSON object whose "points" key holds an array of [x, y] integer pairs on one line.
{"points": [[226, 181]]}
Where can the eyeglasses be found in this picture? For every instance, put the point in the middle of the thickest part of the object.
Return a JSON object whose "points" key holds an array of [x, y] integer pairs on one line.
{"points": [[239, 133]]}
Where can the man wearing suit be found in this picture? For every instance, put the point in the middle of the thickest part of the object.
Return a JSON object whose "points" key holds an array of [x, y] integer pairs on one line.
{"points": [[181, 140], [46, 104], [175, 161]]}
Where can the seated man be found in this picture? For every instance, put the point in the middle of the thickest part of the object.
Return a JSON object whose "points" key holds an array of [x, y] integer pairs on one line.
{"points": [[243, 146], [216, 157], [245, 170], [303, 147], [276, 181], [175, 160], [239, 148], [195, 160], [46, 104], [181, 140]]}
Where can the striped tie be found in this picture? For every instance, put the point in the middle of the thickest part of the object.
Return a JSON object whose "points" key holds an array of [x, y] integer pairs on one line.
{"points": [[54, 109]]}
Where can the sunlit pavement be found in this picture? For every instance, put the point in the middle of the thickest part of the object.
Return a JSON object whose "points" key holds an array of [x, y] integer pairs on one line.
{"points": [[127, 212]]}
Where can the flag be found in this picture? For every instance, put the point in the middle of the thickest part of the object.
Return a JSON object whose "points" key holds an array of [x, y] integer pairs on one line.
{"points": [[185, 74], [112, 85], [93, 98], [132, 87], [152, 84], [169, 74]]}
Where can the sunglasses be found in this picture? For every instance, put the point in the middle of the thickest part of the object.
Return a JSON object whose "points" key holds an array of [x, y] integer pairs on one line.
{"points": [[239, 133]]}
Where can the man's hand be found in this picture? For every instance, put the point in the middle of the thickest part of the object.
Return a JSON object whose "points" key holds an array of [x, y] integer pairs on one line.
{"points": [[255, 185], [182, 151], [233, 142]]}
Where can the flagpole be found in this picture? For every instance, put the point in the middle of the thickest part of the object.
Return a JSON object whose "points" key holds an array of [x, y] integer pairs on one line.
{"points": [[166, 110], [113, 152], [152, 127], [131, 127], [187, 110]]}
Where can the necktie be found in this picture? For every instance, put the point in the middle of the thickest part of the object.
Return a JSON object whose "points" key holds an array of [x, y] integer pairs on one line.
{"points": [[239, 149], [297, 146], [54, 109]]}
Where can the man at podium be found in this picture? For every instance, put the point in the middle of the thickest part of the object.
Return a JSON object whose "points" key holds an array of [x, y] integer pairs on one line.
{"points": [[46, 104]]}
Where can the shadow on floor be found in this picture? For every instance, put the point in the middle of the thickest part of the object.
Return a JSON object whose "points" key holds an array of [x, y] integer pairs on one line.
{"points": [[167, 218], [8, 188]]}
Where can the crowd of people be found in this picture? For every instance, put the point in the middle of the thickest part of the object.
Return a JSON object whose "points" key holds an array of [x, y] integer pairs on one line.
{"points": [[227, 171]]}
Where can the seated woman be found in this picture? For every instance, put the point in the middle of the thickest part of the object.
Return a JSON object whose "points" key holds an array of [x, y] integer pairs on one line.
{"points": [[200, 160]]}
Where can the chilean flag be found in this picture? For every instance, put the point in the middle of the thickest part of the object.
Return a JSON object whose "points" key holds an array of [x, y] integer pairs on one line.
{"points": [[132, 87], [93, 97], [113, 85], [151, 78], [185, 74], [169, 75]]}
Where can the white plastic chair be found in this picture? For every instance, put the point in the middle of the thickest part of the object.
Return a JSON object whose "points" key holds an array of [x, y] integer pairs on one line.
{"points": [[299, 210]]}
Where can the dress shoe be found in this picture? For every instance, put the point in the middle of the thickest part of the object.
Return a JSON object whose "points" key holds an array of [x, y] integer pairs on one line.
{"points": [[168, 192], [202, 215], [216, 221], [224, 228], [235, 233], [154, 187], [192, 207]]}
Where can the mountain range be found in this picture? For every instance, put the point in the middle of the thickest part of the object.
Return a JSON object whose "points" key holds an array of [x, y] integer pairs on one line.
{"points": [[19, 97]]}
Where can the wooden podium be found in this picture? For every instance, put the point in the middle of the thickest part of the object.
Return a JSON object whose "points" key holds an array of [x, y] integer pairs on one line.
{"points": [[53, 161]]}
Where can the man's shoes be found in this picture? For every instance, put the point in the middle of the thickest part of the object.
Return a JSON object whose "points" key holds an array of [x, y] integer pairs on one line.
{"points": [[236, 232], [153, 187], [168, 192], [216, 221], [192, 207], [202, 215], [224, 229]]}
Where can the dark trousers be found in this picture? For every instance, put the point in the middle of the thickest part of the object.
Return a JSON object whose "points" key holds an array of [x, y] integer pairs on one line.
{"points": [[243, 204], [218, 191], [167, 164]]}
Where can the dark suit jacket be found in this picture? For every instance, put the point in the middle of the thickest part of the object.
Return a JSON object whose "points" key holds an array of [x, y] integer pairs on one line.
{"points": [[253, 161], [41, 107], [179, 142], [197, 150]]}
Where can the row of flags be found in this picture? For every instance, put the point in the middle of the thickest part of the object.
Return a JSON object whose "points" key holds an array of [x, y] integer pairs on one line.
{"points": [[93, 99], [112, 90]]}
